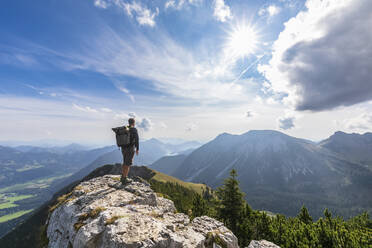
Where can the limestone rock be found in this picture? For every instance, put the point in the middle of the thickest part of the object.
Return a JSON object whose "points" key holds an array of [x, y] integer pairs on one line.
{"points": [[102, 213], [262, 244]]}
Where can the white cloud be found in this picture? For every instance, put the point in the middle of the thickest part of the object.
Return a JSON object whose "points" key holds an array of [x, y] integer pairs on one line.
{"points": [[360, 122], [273, 10], [170, 4], [270, 10], [101, 4], [221, 11], [286, 122], [145, 124], [323, 57], [179, 4], [142, 14]]}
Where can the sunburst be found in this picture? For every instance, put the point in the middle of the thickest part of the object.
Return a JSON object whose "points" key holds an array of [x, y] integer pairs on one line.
{"points": [[242, 41]]}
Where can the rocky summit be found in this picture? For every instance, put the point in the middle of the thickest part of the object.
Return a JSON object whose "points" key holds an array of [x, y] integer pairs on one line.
{"points": [[102, 212]]}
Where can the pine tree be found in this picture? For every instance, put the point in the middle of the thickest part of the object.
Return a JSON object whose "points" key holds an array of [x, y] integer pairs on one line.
{"points": [[199, 206], [304, 215], [231, 202], [207, 194]]}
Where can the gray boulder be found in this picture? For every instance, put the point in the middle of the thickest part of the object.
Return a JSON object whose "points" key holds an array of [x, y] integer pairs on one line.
{"points": [[262, 244], [102, 213]]}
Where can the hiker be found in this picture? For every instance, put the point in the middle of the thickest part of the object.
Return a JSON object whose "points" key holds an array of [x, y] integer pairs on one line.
{"points": [[127, 139]]}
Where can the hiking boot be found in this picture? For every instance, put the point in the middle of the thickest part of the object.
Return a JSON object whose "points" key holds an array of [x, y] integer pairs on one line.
{"points": [[123, 180]]}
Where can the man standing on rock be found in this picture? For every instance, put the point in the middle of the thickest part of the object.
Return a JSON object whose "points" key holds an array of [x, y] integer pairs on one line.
{"points": [[129, 150]]}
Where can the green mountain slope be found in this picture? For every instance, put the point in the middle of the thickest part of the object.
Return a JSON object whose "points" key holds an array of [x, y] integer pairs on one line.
{"points": [[279, 173]]}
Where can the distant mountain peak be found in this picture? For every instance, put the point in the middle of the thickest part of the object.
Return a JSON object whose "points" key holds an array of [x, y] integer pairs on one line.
{"points": [[341, 133], [154, 140], [264, 132], [225, 134]]}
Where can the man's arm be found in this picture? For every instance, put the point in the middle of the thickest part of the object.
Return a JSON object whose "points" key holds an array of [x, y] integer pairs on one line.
{"points": [[136, 141]]}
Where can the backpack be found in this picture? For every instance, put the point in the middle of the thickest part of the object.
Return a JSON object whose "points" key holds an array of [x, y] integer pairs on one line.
{"points": [[122, 135]]}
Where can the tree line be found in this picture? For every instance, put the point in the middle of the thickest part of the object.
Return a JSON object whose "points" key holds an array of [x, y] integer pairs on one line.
{"points": [[227, 205]]}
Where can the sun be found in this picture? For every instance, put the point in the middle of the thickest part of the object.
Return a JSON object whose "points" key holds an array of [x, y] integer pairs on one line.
{"points": [[242, 41]]}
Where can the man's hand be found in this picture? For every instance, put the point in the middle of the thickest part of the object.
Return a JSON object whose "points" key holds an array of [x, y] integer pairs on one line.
{"points": [[137, 151]]}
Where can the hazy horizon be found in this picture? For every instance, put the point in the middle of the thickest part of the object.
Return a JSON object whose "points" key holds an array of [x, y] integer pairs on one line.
{"points": [[168, 140]]}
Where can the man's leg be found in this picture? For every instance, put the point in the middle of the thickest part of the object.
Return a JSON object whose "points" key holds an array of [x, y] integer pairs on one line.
{"points": [[123, 166], [128, 155], [125, 170]]}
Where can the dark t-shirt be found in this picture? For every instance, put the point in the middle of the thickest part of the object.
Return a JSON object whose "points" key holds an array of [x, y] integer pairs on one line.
{"points": [[134, 140]]}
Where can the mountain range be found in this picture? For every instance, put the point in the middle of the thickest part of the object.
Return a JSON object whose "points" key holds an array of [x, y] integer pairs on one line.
{"points": [[279, 173], [355, 147]]}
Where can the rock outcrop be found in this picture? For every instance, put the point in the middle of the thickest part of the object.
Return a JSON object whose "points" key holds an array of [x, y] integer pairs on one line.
{"points": [[262, 244], [102, 213]]}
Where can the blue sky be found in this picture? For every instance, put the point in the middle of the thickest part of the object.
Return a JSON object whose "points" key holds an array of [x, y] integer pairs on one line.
{"points": [[190, 69]]}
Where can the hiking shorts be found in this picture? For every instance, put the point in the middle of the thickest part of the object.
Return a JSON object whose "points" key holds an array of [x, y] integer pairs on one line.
{"points": [[128, 154]]}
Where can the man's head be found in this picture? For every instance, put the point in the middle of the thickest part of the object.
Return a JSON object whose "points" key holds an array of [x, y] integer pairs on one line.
{"points": [[131, 122]]}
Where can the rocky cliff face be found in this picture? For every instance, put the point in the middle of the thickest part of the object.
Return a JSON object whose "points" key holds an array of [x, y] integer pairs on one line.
{"points": [[102, 213]]}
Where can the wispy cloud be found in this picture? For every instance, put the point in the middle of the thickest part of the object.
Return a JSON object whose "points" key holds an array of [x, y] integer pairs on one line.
{"points": [[142, 14], [171, 68], [123, 89], [85, 108], [18, 59], [179, 4]]}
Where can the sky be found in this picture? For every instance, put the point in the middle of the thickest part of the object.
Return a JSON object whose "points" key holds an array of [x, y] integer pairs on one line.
{"points": [[190, 69]]}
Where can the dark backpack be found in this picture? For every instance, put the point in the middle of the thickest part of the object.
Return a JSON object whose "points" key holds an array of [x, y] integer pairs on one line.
{"points": [[122, 135]]}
